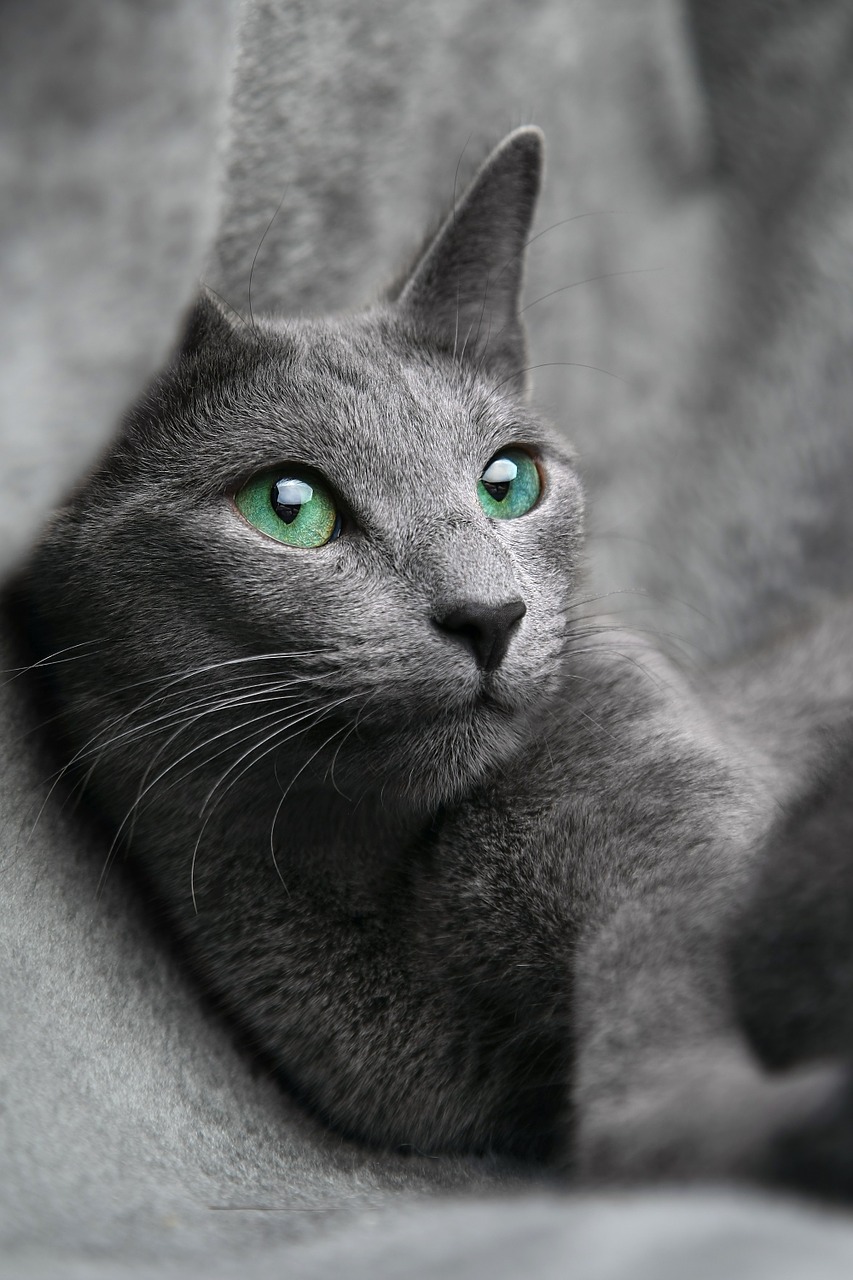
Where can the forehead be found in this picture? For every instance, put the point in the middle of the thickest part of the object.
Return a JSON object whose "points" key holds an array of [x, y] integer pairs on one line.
{"points": [[354, 401], [370, 393]]}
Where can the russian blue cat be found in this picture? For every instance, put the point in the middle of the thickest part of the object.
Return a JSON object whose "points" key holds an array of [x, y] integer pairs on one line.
{"points": [[461, 862]]}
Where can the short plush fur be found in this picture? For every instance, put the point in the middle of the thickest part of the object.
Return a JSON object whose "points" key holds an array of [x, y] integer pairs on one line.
{"points": [[458, 908]]}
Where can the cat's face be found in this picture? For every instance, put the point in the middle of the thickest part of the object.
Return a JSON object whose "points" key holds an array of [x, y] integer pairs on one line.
{"points": [[409, 651], [397, 439]]}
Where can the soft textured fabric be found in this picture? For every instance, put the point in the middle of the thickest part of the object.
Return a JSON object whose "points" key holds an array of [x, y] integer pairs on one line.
{"points": [[136, 1140]]}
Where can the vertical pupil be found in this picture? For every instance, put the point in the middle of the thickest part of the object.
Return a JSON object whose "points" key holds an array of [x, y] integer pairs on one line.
{"points": [[497, 478], [288, 497]]}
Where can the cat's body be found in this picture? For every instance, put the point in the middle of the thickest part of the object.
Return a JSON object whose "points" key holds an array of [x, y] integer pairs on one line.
{"points": [[791, 952], [462, 865]]}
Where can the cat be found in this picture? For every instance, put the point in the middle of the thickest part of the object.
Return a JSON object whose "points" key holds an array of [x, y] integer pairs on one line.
{"points": [[791, 956], [460, 862], [789, 952]]}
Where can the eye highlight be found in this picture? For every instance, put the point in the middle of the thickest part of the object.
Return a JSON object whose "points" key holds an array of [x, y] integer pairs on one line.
{"points": [[510, 485], [291, 505]]}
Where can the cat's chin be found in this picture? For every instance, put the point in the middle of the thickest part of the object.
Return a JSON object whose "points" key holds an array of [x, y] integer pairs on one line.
{"points": [[431, 763]]}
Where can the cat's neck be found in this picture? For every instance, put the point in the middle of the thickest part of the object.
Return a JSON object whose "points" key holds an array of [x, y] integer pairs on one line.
{"points": [[313, 839], [329, 828]]}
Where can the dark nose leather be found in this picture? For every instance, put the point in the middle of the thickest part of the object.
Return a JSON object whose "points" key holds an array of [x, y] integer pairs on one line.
{"points": [[485, 628]]}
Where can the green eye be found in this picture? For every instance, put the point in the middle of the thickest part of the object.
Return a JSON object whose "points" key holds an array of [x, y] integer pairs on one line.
{"points": [[291, 505], [510, 485]]}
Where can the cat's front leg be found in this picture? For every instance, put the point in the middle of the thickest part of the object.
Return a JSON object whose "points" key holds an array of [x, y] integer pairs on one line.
{"points": [[665, 1085]]}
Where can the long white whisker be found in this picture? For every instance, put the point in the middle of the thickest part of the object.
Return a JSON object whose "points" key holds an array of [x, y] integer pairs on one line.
{"points": [[321, 711], [49, 660], [272, 743], [282, 705], [199, 746], [97, 746], [210, 704], [290, 785]]}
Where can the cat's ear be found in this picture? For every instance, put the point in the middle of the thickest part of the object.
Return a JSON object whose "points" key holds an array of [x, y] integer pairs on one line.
{"points": [[464, 289], [207, 324]]}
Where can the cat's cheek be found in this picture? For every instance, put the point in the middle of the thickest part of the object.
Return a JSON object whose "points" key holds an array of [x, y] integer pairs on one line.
{"points": [[549, 539], [275, 586]]}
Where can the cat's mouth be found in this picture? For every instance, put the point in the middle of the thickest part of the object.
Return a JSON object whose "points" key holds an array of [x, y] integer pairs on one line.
{"points": [[506, 694], [490, 697]]}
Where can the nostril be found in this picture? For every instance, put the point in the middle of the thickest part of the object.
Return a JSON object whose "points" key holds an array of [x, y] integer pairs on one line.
{"points": [[485, 628]]}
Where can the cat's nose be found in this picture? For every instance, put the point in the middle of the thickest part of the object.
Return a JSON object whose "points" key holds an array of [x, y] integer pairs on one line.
{"points": [[485, 628]]}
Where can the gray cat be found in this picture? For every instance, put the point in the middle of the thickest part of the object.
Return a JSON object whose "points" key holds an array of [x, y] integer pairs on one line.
{"points": [[461, 863]]}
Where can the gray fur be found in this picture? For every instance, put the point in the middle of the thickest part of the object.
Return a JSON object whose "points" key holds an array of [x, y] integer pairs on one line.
{"points": [[457, 910], [791, 956]]}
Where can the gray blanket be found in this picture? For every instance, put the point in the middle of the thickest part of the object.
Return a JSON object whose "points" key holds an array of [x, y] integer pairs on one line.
{"points": [[700, 294]]}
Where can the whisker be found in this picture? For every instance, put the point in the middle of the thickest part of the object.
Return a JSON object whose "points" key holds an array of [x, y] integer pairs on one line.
{"points": [[144, 791], [617, 653], [479, 319], [165, 683], [97, 747], [678, 649], [281, 706], [605, 275], [456, 177], [331, 773], [210, 704], [602, 275], [321, 711], [176, 679], [272, 743], [575, 217], [226, 303], [292, 782], [553, 364], [166, 686], [641, 592], [49, 660], [596, 723], [258, 250]]}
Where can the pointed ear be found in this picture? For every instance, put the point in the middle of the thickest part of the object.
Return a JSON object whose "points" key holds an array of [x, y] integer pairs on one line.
{"points": [[464, 289], [207, 323]]}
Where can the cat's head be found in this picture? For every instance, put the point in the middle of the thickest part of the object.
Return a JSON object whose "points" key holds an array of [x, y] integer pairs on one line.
{"points": [[332, 549]]}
